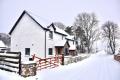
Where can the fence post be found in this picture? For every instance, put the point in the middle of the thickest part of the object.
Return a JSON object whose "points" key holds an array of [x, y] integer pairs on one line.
{"points": [[33, 57], [62, 59], [40, 64], [19, 63], [50, 62]]}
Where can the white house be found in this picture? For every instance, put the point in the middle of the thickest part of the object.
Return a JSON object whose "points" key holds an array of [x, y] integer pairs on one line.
{"points": [[56, 40], [30, 37]]}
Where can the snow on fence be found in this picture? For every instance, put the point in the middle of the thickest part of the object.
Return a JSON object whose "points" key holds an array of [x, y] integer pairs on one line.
{"points": [[10, 61], [51, 62]]}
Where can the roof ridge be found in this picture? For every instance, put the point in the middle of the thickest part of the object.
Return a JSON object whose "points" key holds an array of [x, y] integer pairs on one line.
{"points": [[20, 17]]}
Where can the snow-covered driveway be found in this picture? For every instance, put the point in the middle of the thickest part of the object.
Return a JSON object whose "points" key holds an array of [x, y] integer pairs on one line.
{"points": [[98, 67]]}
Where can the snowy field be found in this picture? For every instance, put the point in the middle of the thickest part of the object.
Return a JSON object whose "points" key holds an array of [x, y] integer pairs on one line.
{"points": [[98, 66]]}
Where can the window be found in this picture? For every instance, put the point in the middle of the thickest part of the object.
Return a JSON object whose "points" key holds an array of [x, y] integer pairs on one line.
{"points": [[27, 51], [50, 51], [51, 35]]}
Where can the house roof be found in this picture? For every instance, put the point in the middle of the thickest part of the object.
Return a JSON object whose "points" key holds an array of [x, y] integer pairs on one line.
{"points": [[40, 19], [58, 30], [42, 23], [69, 37], [61, 31], [23, 13], [72, 47], [61, 43]]}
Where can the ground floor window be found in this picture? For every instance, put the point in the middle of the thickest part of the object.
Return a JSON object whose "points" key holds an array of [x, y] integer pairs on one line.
{"points": [[27, 51], [50, 51]]}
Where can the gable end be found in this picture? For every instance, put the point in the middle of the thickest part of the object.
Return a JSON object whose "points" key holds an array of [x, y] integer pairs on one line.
{"points": [[16, 22], [21, 18]]}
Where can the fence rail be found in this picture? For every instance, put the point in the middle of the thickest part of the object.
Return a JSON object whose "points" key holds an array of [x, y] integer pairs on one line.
{"points": [[10, 61], [51, 62]]}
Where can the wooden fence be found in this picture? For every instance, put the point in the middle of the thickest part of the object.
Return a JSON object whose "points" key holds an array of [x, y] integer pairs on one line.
{"points": [[10, 61], [51, 62]]}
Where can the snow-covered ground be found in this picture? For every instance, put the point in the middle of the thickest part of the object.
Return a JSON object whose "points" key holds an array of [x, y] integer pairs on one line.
{"points": [[4, 75], [98, 66]]}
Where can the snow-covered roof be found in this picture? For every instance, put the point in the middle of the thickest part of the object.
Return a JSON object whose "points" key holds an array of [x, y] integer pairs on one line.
{"points": [[70, 37], [60, 30], [2, 44], [44, 22], [72, 47], [60, 43], [39, 20]]}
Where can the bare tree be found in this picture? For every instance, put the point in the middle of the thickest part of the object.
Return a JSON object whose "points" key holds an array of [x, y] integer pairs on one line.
{"points": [[69, 30], [110, 33], [80, 35], [5, 38], [88, 23], [60, 25]]}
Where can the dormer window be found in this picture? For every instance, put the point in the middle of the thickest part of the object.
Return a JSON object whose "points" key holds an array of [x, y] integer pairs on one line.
{"points": [[51, 35]]}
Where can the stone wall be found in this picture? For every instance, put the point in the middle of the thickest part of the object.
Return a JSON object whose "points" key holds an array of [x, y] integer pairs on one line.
{"points": [[28, 69]]}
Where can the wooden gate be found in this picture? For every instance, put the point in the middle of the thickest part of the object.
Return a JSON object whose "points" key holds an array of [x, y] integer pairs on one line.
{"points": [[51, 62]]}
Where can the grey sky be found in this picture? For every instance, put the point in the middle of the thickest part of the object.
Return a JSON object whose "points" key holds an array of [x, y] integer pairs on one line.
{"points": [[64, 11]]}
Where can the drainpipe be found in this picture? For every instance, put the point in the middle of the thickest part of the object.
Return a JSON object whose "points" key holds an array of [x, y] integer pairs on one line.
{"points": [[45, 43]]}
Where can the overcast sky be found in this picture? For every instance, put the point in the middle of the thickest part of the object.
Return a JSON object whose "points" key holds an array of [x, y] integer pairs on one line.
{"points": [[63, 11]]}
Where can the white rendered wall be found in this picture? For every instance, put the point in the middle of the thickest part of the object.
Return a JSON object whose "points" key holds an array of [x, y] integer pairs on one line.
{"points": [[50, 43], [28, 34]]}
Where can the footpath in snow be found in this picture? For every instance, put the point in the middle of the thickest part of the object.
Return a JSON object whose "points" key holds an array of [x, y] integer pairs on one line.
{"points": [[99, 66]]}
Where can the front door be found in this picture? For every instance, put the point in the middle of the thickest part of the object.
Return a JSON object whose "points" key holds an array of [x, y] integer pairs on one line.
{"points": [[59, 51]]}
